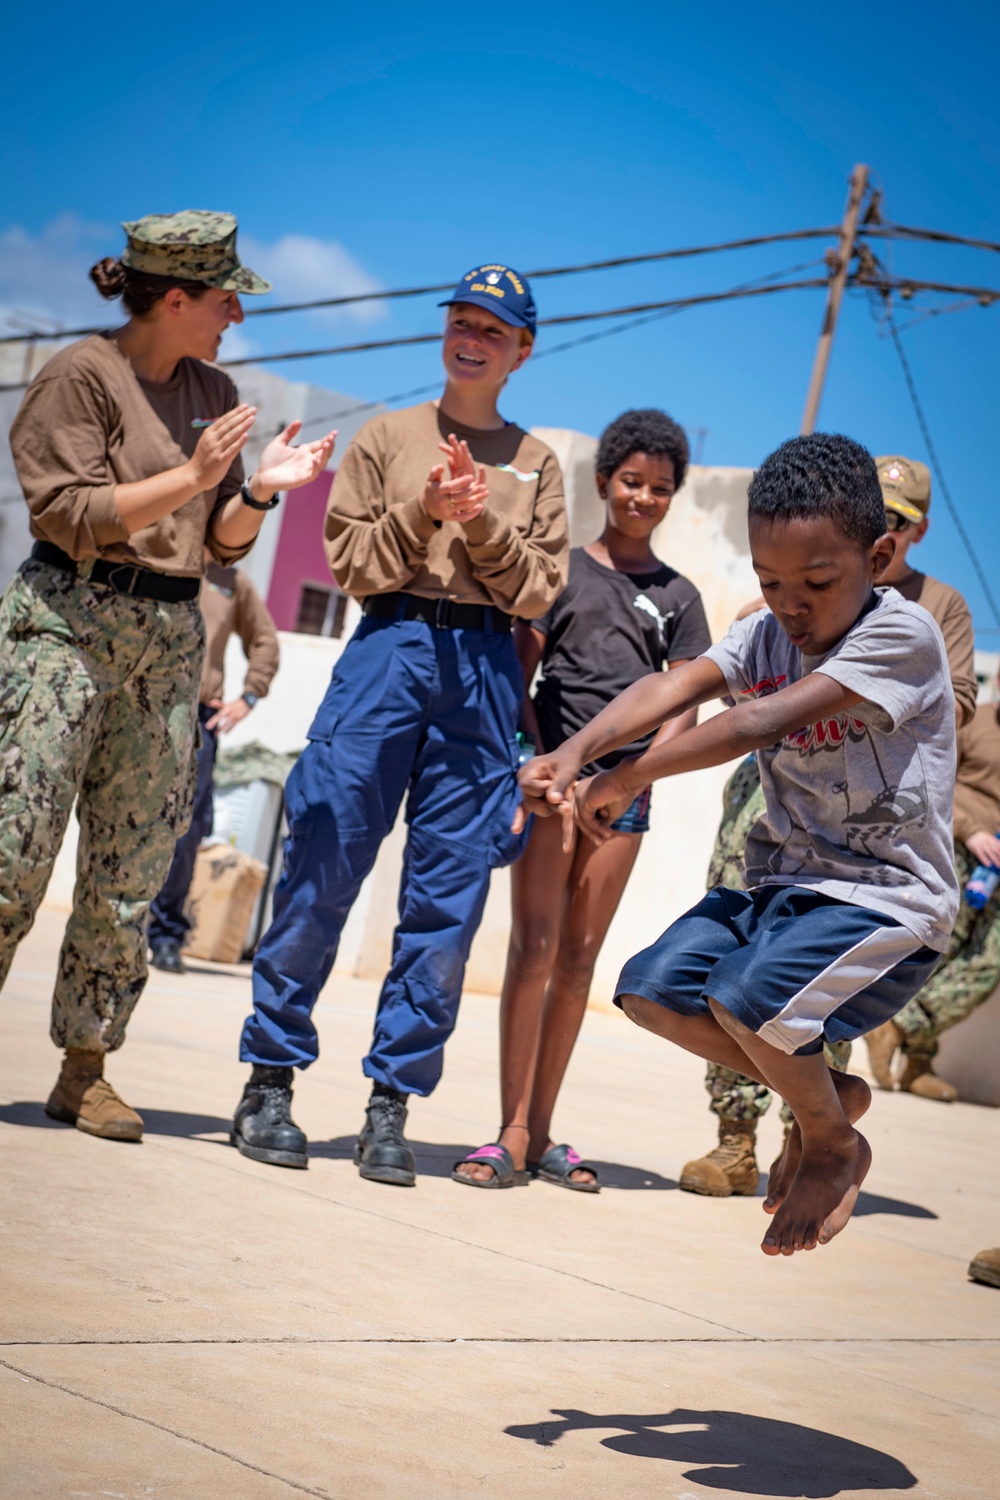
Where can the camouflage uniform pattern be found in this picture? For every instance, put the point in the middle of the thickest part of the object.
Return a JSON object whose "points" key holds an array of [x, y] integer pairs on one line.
{"points": [[98, 695], [194, 245], [968, 975], [733, 1095]]}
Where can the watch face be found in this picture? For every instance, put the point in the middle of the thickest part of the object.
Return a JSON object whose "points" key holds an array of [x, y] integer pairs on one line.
{"points": [[250, 699]]}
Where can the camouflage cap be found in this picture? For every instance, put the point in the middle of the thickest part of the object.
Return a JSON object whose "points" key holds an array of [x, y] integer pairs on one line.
{"points": [[906, 486], [194, 245]]}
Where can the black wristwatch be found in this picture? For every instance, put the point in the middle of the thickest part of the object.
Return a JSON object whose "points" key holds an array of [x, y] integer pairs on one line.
{"points": [[250, 699], [248, 499]]}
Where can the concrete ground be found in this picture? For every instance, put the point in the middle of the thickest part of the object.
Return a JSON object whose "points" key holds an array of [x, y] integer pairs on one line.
{"points": [[179, 1322]]}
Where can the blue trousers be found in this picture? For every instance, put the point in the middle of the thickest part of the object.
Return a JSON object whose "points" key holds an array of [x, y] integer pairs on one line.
{"points": [[416, 711], [167, 918]]}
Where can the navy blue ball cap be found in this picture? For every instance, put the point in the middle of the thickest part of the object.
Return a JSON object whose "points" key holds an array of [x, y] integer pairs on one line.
{"points": [[501, 291]]}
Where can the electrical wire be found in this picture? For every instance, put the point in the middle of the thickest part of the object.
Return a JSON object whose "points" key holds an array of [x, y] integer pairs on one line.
{"points": [[935, 461], [448, 286], [587, 338]]}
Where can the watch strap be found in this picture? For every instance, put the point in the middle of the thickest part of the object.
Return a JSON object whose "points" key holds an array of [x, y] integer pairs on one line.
{"points": [[248, 499]]}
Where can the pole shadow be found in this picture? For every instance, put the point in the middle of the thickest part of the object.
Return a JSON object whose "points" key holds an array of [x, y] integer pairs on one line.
{"points": [[738, 1453]]}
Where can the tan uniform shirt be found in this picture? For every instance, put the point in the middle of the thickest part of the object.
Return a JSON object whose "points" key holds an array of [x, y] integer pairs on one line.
{"points": [[379, 539], [977, 788], [88, 423], [230, 602], [955, 622]]}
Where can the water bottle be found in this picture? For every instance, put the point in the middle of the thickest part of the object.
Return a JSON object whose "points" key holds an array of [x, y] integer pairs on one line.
{"points": [[526, 750], [982, 883]]}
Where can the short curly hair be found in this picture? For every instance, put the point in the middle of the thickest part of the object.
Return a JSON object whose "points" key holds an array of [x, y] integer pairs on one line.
{"points": [[643, 431], [823, 474]]}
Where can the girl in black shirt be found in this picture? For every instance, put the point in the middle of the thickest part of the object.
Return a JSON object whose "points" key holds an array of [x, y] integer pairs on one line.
{"points": [[623, 614]]}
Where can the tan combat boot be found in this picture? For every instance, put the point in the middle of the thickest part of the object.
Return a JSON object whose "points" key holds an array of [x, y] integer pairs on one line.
{"points": [[82, 1097], [730, 1168], [986, 1268], [883, 1043], [919, 1078]]}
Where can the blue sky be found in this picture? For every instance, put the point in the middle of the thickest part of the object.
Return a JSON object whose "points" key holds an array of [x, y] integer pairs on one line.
{"points": [[399, 145]]}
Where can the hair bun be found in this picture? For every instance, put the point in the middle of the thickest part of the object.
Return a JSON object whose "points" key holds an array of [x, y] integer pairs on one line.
{"points": [[109, 276]]}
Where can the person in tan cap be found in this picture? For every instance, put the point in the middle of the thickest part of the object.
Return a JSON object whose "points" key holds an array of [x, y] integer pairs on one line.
{"points": [[906, 490], [971, 968], [738, 1102], [127, 447]]}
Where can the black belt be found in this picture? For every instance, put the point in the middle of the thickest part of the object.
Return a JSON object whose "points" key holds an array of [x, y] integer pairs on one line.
{"points": [[443, 614], [140, 583]]}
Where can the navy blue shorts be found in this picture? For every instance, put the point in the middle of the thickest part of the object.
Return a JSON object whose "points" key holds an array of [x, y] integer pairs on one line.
{"points": [[635, 818], [795, 966]]}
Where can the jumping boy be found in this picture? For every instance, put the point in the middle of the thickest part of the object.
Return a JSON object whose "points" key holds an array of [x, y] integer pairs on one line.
{"points": [[842, 690]]}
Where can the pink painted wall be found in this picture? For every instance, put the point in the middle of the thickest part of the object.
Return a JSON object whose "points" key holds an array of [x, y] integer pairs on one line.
{"points": [[299, 556]]}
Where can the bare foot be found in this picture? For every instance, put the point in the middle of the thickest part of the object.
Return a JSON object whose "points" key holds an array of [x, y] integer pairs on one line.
{"points": [[855, 1096], [511, 1136], [822, 1196]]}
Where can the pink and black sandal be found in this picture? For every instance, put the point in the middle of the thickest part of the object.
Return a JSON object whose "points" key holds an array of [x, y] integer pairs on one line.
{"points": [[499, 1158], [556, 1165]]}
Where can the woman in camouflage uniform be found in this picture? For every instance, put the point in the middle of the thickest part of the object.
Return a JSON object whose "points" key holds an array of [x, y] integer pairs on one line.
{"points": [[127, 446]]}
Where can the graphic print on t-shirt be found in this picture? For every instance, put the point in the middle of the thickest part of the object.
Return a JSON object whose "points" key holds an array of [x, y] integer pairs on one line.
{"points": [[642, 601], [890, 810]]}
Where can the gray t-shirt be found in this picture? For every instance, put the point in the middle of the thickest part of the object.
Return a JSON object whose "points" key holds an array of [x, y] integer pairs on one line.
{"points": [[858, 806]]}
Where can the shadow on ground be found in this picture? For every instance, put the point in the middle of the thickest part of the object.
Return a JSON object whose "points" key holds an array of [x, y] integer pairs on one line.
{"points": [[436, 1160], [873, 1203], [738, 1453]]}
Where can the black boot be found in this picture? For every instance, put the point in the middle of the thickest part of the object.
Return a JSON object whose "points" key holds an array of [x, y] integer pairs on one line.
{"points": [[381, 1153], [263, 1128], [167, 955]]}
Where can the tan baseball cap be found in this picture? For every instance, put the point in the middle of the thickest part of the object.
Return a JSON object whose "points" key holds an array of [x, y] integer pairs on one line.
{"points": [[906, 486], [193, 245]]}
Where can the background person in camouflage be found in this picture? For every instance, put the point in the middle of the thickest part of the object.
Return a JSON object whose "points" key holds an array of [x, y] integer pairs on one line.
{"points": [[971, 968], [737, 1101], [127, 448]]}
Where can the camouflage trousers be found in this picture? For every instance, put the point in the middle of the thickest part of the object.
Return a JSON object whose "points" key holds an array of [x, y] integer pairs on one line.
{"points": [[98, 701], [733, 1095], [968, 974]]}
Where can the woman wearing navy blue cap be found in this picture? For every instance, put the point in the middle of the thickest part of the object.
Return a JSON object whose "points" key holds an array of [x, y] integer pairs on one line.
{"points": [[424, 703]]}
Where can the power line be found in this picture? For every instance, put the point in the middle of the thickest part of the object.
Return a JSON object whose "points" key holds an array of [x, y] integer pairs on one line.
{"points": [[933, 236], [448, 286], [936, 462], [587, 338]]}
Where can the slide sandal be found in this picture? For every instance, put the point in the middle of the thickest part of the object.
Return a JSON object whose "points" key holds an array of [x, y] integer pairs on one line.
{"points": [[497, 1157], [557, 1164]]}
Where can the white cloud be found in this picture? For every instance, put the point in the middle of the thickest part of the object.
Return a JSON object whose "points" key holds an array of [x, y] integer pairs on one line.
{"points": [[304, 269], [43, 279]]}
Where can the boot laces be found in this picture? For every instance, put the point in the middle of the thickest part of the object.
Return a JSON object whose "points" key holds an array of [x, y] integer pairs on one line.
{"points": [[729, 1150], [388, 1113]]}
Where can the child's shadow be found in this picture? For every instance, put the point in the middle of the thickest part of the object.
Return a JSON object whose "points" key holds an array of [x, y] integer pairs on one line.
{"points": [[739, 1453]]}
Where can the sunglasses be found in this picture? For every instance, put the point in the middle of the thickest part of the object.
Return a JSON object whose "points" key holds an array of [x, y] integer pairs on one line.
{"points": [[895, 522]]}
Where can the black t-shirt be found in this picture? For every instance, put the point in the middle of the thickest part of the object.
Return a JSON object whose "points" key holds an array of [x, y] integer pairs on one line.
{"points": [[605, 631]]}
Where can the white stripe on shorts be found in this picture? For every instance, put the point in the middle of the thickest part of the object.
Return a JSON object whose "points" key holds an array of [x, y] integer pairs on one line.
{"points": [[802, 1019]]}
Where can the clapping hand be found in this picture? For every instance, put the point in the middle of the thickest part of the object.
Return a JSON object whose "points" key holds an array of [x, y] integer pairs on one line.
{"points": [[463, 496], [284, 467]]}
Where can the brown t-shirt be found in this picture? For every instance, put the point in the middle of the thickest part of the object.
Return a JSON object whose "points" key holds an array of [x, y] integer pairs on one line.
{"points": [[230, 602], [955, 623], [379, 539], [88, 423], [977, 786]]}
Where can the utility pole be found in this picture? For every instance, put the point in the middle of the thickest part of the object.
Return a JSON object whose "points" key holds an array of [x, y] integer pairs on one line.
{"points": [[838, 280]]}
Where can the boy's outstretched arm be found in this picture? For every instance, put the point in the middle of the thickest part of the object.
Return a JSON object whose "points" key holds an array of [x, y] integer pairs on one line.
{"points": [[643, 707], [736, 732]]}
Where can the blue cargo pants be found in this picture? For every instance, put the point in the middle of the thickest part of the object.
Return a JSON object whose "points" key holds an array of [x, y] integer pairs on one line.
{"points": [[432, 714]]}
